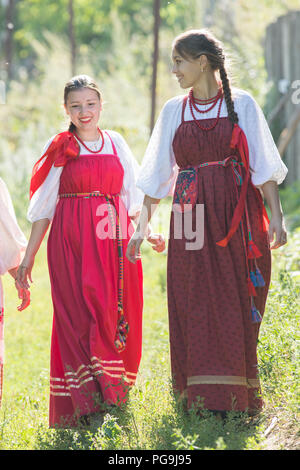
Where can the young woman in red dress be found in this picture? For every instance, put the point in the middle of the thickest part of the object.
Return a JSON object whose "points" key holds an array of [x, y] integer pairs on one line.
{"points": [[215, 147], [84, 184]]}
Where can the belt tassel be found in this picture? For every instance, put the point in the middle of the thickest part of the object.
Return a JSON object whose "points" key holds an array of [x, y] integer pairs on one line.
{"points": [[256, 316], [254, 277], [253, 251], [122, 324], [260, 279]]}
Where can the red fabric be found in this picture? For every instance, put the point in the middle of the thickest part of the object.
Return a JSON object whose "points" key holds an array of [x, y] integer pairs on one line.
{"points": [[63, 147], [239, 142], [86, 368], [211, 329]]}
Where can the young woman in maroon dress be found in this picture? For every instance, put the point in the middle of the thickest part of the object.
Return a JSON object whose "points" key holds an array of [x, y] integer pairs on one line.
{"points": [[85, 184], [215, 147]]}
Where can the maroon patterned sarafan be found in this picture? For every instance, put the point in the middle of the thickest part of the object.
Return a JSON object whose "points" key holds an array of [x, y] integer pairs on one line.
{"points": [[213, 339]]}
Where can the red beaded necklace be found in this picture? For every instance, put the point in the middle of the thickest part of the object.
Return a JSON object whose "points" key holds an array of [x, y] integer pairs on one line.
{"points": [[85, 146], [212, 100], [193, 104]]}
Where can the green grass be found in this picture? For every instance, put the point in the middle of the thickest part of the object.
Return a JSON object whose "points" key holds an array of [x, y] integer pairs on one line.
{"points": [[153, 418]]}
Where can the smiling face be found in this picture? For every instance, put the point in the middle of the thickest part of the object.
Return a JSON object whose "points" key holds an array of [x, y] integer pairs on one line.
{"points": [[188, 71], [83, 106]]}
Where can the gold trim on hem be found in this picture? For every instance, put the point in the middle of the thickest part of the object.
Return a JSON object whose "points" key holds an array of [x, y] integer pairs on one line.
{"points": [[222, 380]]}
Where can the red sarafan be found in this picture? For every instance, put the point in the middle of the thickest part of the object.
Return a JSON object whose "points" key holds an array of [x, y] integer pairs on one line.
{"points": [[213, 336], [88, 272]]}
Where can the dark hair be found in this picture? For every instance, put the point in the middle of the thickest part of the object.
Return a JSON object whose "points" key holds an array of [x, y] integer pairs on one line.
{"points": [[194, 43], [76, 83]]}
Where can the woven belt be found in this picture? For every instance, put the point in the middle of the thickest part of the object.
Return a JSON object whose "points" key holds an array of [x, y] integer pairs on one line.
{"points": [[87, 195], [229, 160]]}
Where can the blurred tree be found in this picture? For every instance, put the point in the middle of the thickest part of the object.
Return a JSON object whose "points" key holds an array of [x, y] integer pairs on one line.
{"points": [[210, 12], [93, 23], [72, 38], [156, 14], [9, 6]]}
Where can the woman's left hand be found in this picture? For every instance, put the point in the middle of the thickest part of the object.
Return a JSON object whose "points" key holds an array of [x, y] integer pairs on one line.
{"points": [[277, 227], [158, 242]]}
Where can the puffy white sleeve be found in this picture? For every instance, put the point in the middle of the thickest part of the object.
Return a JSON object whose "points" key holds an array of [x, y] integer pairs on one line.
{"points": [[265, 161], [131, 195], [12, 240], [43, 202], [159, 169]]}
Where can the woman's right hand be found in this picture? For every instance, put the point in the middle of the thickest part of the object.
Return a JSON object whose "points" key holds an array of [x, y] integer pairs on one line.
{"points": [[24, 273], [133, 252], [24, 295]]}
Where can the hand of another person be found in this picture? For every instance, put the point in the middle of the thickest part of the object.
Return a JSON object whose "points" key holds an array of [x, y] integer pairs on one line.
{"points": [[158, 242], [24, 273], [23, 294]]}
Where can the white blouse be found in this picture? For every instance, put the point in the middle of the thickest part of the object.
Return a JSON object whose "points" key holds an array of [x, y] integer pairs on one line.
{"points": [[159, 169], [43, 202], [12, 240]]}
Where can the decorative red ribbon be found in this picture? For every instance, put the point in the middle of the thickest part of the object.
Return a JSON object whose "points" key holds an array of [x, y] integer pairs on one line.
{"points": [[63, 148], [239, 142]]}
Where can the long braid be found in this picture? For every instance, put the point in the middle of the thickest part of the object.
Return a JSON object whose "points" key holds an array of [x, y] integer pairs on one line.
{"points": [[71, 128], [227, 95]]}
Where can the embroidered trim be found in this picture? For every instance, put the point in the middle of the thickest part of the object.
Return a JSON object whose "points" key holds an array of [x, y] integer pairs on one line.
{"points": [[85, 373]]}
